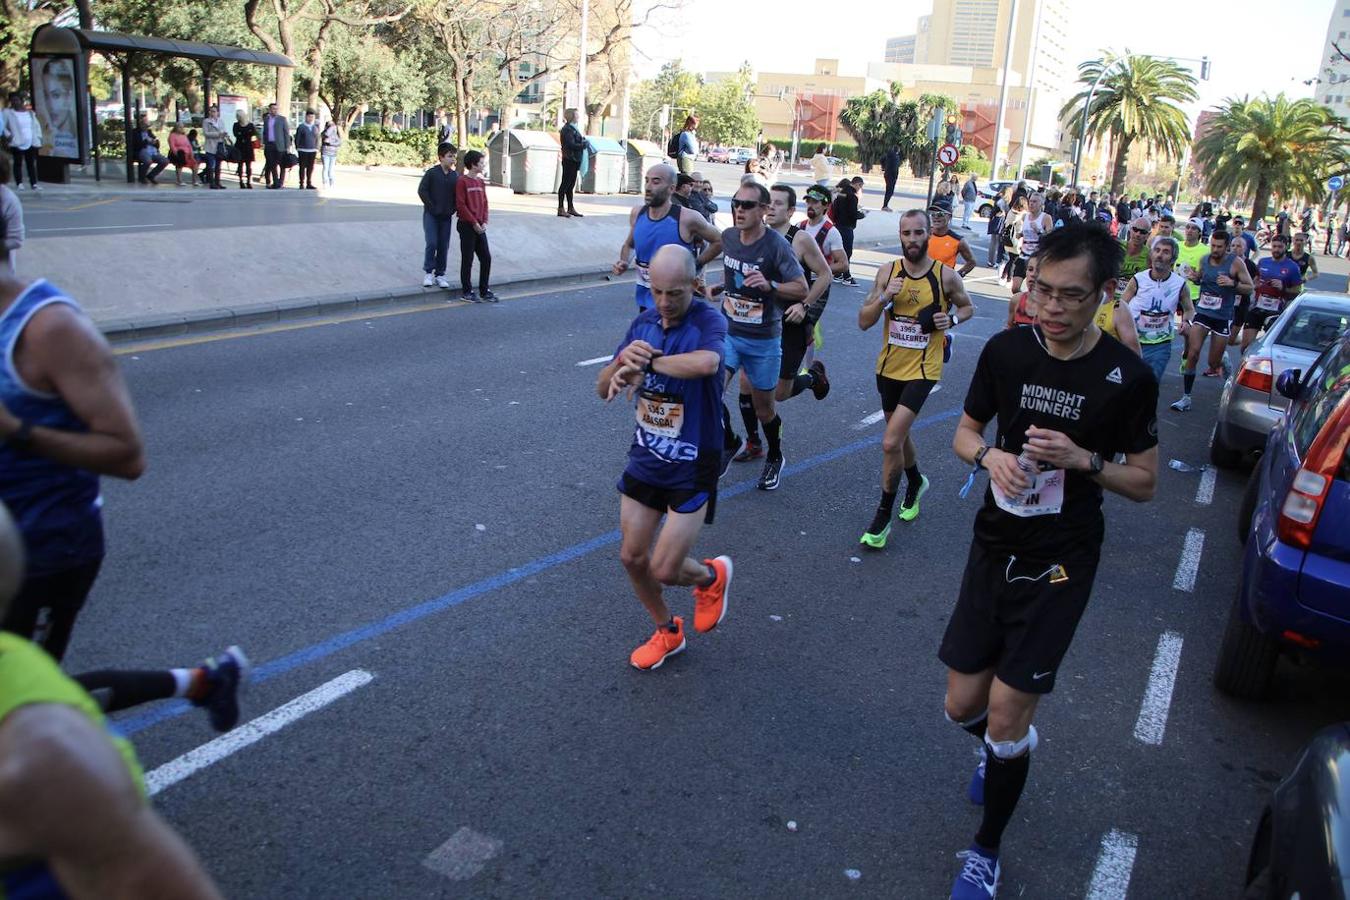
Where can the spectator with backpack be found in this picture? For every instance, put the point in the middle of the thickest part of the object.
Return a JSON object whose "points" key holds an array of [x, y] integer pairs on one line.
{"points": [[683, 147]]}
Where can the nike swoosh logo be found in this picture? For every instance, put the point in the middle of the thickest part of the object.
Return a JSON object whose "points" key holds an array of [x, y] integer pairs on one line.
{"points": [[1037, 676]]}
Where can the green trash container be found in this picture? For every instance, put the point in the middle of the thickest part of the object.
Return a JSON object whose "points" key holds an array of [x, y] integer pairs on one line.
{"points": [[642, 155], [534, 162], [604, 174]]}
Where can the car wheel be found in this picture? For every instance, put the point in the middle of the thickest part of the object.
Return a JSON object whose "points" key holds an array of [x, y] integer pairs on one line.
{"points": [[1223, 456], [986, 211], [1247, 659], [1247, 509]]}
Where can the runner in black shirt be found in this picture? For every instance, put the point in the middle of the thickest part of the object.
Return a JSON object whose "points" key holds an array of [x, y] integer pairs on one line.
{"points": [[1067, 398]]}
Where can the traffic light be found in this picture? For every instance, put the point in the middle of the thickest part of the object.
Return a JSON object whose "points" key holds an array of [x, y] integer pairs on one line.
{"points": [[954, 130]]}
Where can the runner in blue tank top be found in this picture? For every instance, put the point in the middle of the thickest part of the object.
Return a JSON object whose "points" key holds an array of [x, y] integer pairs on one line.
{"points": [[658, 222], [1222, 277], [670, 364]]}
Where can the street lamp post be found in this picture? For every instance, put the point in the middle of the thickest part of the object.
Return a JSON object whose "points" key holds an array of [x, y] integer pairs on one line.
{"points": [[581, 67]]}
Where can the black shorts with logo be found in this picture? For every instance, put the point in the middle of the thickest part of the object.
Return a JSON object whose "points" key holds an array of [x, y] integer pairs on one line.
{"points": [[796, 338], [1217, 324], [909, 394], [669, 499], [1012, 618]]}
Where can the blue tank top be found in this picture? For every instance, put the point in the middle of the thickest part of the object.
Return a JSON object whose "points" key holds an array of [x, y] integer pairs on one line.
{"points": [[648, 237], [56, 506], [1214, 299]]}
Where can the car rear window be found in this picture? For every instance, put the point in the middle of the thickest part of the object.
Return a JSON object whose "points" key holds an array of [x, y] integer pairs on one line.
{"points": [[1313, 329], [1325, 386]]}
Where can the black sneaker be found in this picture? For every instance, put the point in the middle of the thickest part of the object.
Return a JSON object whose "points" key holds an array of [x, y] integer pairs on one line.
{"points": [[470, 296], [225, 676], [489, 297], [850, 281], [729, 453], [773, 470], [821, 386]]}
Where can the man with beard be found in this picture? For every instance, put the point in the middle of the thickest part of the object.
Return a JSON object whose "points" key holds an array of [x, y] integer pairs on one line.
{"points": [[658, 222], [920, 299], [1278, 281], [1219, 278]]}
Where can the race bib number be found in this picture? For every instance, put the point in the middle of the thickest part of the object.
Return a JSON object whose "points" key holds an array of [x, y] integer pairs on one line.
{"points": [[1044, 497], [1120, 286], [1210, 301], [660, 414], [644, 275], [906, 332], [1155, 324], [745, 311], [1267, 303]]}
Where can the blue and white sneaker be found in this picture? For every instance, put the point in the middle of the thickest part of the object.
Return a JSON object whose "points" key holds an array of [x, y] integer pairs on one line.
{"points": [[979, 875], [976, 790], [225, 676]]}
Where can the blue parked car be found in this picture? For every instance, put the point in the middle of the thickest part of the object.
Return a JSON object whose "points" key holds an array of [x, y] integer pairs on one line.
{"points": [[1294, 593]]}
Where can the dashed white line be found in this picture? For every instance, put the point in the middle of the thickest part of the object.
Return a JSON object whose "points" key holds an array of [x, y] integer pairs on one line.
{"points": [[1204, 494], [232, 742], [1190, 561], [1162, 679], [596, 361], [1115, 863]]}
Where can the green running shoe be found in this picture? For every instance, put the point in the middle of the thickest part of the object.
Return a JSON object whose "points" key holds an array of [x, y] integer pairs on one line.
{"points": [[910, 513]]}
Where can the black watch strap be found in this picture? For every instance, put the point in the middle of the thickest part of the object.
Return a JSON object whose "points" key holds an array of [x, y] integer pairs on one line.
{"points": [[979, 456], [1096, 464]]}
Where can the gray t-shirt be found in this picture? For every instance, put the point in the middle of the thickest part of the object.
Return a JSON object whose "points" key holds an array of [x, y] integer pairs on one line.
{"points": [[754, 313]]}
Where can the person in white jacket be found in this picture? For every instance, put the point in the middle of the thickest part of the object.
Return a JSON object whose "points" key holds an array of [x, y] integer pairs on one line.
{"points": [[11, 212], [24, 133]]}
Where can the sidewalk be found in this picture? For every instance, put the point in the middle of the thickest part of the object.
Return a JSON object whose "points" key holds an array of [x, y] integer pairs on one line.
{"points": [[151, 283]]}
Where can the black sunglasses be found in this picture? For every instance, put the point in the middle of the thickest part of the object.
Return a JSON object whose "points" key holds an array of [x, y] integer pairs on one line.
{"points": [[745, 204], [1139, 230]]}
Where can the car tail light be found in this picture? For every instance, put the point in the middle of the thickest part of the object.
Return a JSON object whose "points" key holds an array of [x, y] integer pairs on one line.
{"points": [[1303, 504], [1257, 373]]}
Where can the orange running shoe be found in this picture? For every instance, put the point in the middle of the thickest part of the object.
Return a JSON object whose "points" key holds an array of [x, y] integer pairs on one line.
{"points": [[662, 644], [710, 603]]}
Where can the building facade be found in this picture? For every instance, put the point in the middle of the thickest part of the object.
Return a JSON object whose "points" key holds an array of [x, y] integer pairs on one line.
{"points": [[1333, 84], [901, 49]]}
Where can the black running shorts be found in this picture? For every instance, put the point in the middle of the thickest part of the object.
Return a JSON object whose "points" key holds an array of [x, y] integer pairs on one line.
{"points": [[1259, 318], [668, 499], [1019, 269], [796, 338], [1012, 618], [909, 394], [1216, 324], [1240, 311]]}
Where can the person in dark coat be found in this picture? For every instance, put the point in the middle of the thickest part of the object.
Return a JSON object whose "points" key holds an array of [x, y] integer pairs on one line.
{"points": [[845, 215], [244, 135], [573, 149]]}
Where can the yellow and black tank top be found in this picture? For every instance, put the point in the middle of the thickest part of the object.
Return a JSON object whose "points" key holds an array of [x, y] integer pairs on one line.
{"points": [[907, 352], [1106, 317]]}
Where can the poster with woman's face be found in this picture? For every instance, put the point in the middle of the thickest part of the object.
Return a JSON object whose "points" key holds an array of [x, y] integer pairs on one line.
{"points": [[56, 102]]}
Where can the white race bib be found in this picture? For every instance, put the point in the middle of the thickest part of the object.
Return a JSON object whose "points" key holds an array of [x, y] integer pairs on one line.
{"points": [[644, 276], [660, 414], [745, 311], [1210, 301], [1267, 303], [1044, 497], [906, 332]]}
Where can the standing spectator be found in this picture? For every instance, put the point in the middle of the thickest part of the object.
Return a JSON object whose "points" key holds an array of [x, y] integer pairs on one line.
{"points": [[307, 149], [1344, 237], [147, 152], [890, 171], [1013, 220], [332, 140], [688, 154], [970, 192], [24, 133], [445, 134], [276, 144], [820, 167], [995, 230], [11, 212], [180, 154], [217, 143], [472, 206], [437, 193], [573, 150], [1331, 231], [752, 172], [245, 140], [943, 195], [700, 198], [1091, 207], [844, 215]]}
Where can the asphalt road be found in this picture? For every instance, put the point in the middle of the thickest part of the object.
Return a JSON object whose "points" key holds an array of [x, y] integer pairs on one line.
{"points": [[429, 498]]}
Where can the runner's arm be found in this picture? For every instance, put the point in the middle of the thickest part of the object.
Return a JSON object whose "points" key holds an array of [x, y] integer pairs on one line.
{"points": [[963, 250], [1135, 479], [703, 229], [1184, 303], [1312, 268], [694, 364], [809, 250], [68, 352], [870, 311], [838, 262], [955, 290], [66, 797], [1126, 333], [1128, 294], [624, 249], [1243, 278], [1001, 465]]}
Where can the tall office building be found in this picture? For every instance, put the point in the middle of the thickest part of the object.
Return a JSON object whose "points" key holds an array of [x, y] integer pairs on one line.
{"points": [[900, 49], [1333, 74]]}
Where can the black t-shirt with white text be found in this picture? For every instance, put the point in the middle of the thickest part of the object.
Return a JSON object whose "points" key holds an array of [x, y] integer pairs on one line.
{"points": [[1105, 402]]}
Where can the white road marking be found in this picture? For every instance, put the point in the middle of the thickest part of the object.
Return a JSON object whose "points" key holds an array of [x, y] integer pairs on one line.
{"points": [[596, 361], [1204, 494], [1190, 561], [100, 227], [1152, 721], [1111, 876], [869, 420], [464, 855], [212, 752], [982, 278]]}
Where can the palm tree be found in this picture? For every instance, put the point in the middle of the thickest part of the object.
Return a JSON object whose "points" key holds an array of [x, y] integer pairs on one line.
{"points": [[1136, 99], [1272, 146]]}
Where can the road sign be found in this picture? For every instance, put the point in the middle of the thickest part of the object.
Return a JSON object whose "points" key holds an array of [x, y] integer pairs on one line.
{"points": [[1335, 183], [948, 154]]}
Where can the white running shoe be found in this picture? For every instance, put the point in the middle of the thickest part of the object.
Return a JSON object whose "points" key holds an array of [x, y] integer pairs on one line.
{"points": [[1183, 404], [429, 280], [441, 282]]}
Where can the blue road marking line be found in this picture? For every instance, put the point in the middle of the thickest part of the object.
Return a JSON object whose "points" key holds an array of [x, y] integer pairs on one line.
{"points": [[323, 649]]}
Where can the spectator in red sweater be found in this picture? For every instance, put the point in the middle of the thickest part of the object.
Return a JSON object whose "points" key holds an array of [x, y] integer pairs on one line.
{"points": [[472, 207]]}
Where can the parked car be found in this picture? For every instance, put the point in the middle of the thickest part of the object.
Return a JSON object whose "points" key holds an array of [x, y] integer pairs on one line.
{"points": [[718, 154], [1302, 844], [1249, 405], [989, 193], [1293, 592], [739, 155]]}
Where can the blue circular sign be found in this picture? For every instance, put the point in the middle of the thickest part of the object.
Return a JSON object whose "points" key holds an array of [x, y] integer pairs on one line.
{"points": [[1335, 183]]}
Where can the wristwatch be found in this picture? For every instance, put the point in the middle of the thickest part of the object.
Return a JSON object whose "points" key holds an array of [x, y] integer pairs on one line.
{"points": [[979, 456], [1096, 464]]}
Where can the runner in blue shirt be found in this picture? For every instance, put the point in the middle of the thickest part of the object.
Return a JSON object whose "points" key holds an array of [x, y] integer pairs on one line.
{"points": [[1278, 281], [670, 364], [658, 222]]}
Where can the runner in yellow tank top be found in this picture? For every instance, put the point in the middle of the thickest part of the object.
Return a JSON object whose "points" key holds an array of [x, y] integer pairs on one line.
{"points": [[920, 299], [73, 818], [1113, 318]]}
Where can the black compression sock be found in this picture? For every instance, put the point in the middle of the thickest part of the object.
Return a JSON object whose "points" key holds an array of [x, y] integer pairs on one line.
{"points": [[773, 430], [671, 626], [747, 405], [1003, 783], [977, 728], [729, 439], [912, 482], [1188, 381], [887, 502], [802, 382], [116, 690]]}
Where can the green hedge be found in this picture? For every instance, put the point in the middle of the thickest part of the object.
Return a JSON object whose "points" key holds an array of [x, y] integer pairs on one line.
{"points": [[845, 150], [374, 145]]}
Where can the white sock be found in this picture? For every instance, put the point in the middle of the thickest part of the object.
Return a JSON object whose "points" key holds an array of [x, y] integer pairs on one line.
{"points": [[182, 680]]}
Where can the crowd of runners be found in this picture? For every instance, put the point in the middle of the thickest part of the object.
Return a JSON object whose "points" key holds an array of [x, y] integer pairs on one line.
{"points": [[1071, 387]]}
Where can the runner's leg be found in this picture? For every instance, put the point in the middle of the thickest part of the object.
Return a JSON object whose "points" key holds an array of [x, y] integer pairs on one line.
{"points": [[637, 525]]}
